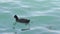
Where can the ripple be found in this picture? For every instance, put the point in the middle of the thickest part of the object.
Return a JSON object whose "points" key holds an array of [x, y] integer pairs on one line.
{"points": [[7, 33], [4, 11], [44, 29], [39, 0], [2, 1], [25, 6], [39, 13], [7, 11], [3, 29]]}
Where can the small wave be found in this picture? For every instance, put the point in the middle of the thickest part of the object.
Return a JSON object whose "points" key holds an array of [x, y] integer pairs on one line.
{"points": [[39, 13], [4, 10], [54, 31], [7, 33], [43, 28], [2, 29], [39, 0], [7, 11], [25, 6], [2, 1], [32, 28]]}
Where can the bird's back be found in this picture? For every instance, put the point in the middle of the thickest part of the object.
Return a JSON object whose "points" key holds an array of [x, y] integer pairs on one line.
{"points": [[22, 20]]}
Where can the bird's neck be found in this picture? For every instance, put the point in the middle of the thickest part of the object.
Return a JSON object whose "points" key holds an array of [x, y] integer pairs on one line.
{"points": [[17, 18]]}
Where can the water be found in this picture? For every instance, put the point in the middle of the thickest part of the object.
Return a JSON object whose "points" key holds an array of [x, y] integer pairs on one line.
{"points": [[44, 16]]}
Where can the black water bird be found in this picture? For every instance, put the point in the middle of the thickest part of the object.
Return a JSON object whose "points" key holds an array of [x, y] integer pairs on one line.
{"points": [[21, 20]]}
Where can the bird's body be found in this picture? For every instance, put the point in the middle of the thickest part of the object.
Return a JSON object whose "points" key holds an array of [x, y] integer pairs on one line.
{"points": [[21, 20]]}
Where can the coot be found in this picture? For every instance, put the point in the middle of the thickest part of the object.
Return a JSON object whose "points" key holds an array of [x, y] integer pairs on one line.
{"points": [[21, 20]]}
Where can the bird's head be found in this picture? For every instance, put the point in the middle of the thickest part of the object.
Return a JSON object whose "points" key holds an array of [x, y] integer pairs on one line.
{"points": [[15, 16]]}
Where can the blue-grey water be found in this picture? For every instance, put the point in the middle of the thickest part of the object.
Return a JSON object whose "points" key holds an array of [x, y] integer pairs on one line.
{"points": [[44, 16]]}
